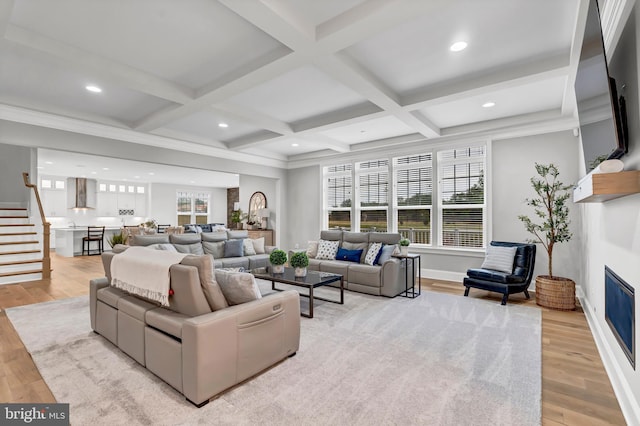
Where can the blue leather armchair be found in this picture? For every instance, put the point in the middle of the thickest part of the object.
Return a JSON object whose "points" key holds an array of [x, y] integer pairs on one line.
{"points": [[502, 282]]}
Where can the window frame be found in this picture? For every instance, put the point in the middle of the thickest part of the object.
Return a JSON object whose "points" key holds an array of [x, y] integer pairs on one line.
{"points": [[193, 213]]}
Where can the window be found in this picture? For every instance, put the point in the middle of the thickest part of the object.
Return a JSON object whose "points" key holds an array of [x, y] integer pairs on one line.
{"points": [[59, 184], [372, 190], [140, 189], [102, 187], [192, 207], [46, 183], [399, 195], [462, 197], [338, 183], [413, 196]]}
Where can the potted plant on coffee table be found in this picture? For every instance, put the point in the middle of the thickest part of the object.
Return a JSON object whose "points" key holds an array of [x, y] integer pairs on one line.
{"points": [[278, 258], [300, 261], [551, 206]]}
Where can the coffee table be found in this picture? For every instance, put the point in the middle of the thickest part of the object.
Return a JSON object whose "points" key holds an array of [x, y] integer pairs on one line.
{"points": [[312, 280]]}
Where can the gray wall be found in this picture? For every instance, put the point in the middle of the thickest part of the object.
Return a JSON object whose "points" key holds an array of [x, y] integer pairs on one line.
{"points": [[611, 234], [14, 160], [304, 194], [270, 187]]}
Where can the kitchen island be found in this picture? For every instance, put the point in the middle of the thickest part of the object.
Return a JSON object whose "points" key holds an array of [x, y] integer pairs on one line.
{"points": [[69, 240]]}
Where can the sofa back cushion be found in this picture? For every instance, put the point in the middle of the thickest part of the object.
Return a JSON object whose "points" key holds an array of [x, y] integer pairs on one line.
{"points": [[147, 240], [237, 235], [195, 248], [364, 246], [214, 248], [384, 237], [356, 237], [184, 238], [331, 235], [208, 282], [214, 236]]}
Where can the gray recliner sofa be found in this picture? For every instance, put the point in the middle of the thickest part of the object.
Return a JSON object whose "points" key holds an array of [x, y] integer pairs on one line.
{"points": [[387, 279], [197, 351]]}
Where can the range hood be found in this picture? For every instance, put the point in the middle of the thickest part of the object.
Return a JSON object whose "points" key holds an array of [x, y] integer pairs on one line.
{"points": [[81, 193]]}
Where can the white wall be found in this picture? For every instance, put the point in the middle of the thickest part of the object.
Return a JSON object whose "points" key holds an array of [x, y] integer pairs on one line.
{"points": [[611, 236], [163, 202], [14, 160], [271, 188], [304, 191]]}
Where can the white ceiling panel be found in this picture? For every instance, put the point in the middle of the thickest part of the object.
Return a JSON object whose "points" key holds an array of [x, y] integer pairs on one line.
{"points": [[298, 94], [380, 128], [530, 98], [206, 124], [316, 12]]}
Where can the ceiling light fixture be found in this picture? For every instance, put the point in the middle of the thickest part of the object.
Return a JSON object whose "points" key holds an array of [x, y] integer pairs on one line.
{"points": [[105, 168], [295, 144], [48, 162], [94, 89], [223, 125], [151, 173], [458, 46], [488, 104]]}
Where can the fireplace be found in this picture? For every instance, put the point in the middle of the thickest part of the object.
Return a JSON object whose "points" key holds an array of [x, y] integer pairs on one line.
{"points": [[619, 312]]}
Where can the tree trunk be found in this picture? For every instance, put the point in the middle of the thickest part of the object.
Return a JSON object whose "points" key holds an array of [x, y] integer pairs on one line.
{"points": [[550, 253]]}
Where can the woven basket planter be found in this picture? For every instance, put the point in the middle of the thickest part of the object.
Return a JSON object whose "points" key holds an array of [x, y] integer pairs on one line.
{"points": [[556, 293]]}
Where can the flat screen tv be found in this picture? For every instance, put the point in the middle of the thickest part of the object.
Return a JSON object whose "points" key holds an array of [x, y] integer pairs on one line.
{"points": [[601, 112]]}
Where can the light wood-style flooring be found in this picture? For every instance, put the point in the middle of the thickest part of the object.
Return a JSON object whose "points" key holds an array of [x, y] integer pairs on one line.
{"points": [[575, 386]]}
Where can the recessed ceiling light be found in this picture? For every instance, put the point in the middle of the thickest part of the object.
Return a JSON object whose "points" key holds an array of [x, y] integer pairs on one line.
{"points": [[124, 180], [105, 168], [94, 89], [94, 173], [137, 177], [191, 181], [39, 167], [151, 173], [48, 162], [488, 104], [458, 46], [223, 125], [295, 144]]}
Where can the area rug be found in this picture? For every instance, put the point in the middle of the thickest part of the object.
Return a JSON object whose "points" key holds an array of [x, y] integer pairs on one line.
{"points": [[434, 360]]}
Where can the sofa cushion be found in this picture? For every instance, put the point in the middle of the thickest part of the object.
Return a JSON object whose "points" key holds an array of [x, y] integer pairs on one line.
{"points": [[331, 235], [184, 238], [349, 255], [235, 262], [214, 236], [208, 282], [195, 248], [496, 276], [110, 295], [233, 248], [499, 258], [373, 253], [355, 237], [215, 249], [384, 237], [258, 261], [238, 287], [166, 321], [135, 307], [147, 240], [327, 249], [336, 267], [365, 275], [258, 245], [314, 264], [236, 235], [356, 246], [247, 247]]}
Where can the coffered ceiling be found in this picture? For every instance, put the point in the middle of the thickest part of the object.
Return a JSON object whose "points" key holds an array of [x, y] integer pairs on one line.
{"points": [[291, 79]]}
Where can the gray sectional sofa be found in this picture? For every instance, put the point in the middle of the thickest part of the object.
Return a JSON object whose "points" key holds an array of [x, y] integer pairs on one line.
{"points": [[197, 346], [386, 279], [213, 243]]}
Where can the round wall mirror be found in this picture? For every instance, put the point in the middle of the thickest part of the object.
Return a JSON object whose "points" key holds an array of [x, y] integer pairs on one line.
{"points": [[257, 202]]}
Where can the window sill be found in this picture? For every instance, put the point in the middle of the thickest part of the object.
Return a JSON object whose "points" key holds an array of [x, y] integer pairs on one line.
{"points": [[450, 251]]}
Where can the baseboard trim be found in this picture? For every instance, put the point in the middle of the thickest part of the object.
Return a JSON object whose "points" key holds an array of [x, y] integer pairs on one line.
{"points": [[629, 406], [436, 274]]}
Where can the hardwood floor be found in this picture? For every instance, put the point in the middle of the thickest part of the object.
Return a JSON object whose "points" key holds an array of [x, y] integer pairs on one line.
{"points": [[575, 386]]}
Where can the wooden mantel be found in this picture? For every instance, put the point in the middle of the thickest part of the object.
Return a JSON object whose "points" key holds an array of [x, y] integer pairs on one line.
{"points": [[600, 187]]}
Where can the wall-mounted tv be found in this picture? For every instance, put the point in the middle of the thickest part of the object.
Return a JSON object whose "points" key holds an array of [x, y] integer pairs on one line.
{"points": [[601, 113]]}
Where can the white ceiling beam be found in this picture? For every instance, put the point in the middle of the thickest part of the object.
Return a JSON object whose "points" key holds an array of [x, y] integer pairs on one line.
{"points": [[226, 89], [505, 78], [339, 118], [614, 16], [323, 141], [317, 139], [6, 7], [104, 68], [251, 116], [188, 137]]}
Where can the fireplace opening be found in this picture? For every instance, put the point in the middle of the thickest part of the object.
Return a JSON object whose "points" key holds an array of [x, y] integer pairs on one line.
{"points": [[619, 312]]}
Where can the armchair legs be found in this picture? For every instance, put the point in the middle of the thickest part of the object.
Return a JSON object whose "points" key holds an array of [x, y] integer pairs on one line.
{"points": [[505, 296], [466, 291]]}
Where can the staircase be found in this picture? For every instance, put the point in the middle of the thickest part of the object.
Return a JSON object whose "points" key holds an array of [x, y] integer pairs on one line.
{"points": [[20, 253]]}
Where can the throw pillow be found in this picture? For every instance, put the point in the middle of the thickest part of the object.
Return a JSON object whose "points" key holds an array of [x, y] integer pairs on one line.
{"points": [[349, 255], [215, 249], [386, 252], [499, 258], [327, 250], [210, 287], [312, 249], [373, 253], [247, 245], [258, 245], [233, 248], [356, 246], [195, 248], [238, 287]]}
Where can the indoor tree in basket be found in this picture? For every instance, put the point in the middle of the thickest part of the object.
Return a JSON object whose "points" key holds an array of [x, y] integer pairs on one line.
{"points": [[300, 261], [551, 207], [278, 258]]}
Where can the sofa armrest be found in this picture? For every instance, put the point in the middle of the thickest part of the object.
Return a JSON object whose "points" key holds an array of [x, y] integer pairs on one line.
{"points": [[95, 285], [392, 278], [269, 249], [225, 347]]}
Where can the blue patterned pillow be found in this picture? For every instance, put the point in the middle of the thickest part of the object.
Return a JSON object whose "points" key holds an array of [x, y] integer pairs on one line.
{"points": [[349, 255]]}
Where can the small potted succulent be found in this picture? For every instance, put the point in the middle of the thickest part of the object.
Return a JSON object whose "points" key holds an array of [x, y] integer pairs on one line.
{"points": [[278, 258], [300, 261], [404, 246]]}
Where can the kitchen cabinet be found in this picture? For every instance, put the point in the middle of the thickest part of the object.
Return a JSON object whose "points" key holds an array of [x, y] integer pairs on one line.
{"points": [[54, 203]]}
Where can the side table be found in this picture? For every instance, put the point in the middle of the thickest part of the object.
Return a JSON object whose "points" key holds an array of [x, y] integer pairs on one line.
{"points": [[405, 258]]}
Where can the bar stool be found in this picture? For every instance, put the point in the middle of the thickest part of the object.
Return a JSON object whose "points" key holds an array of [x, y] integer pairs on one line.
{"points": [[94, 233]]}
